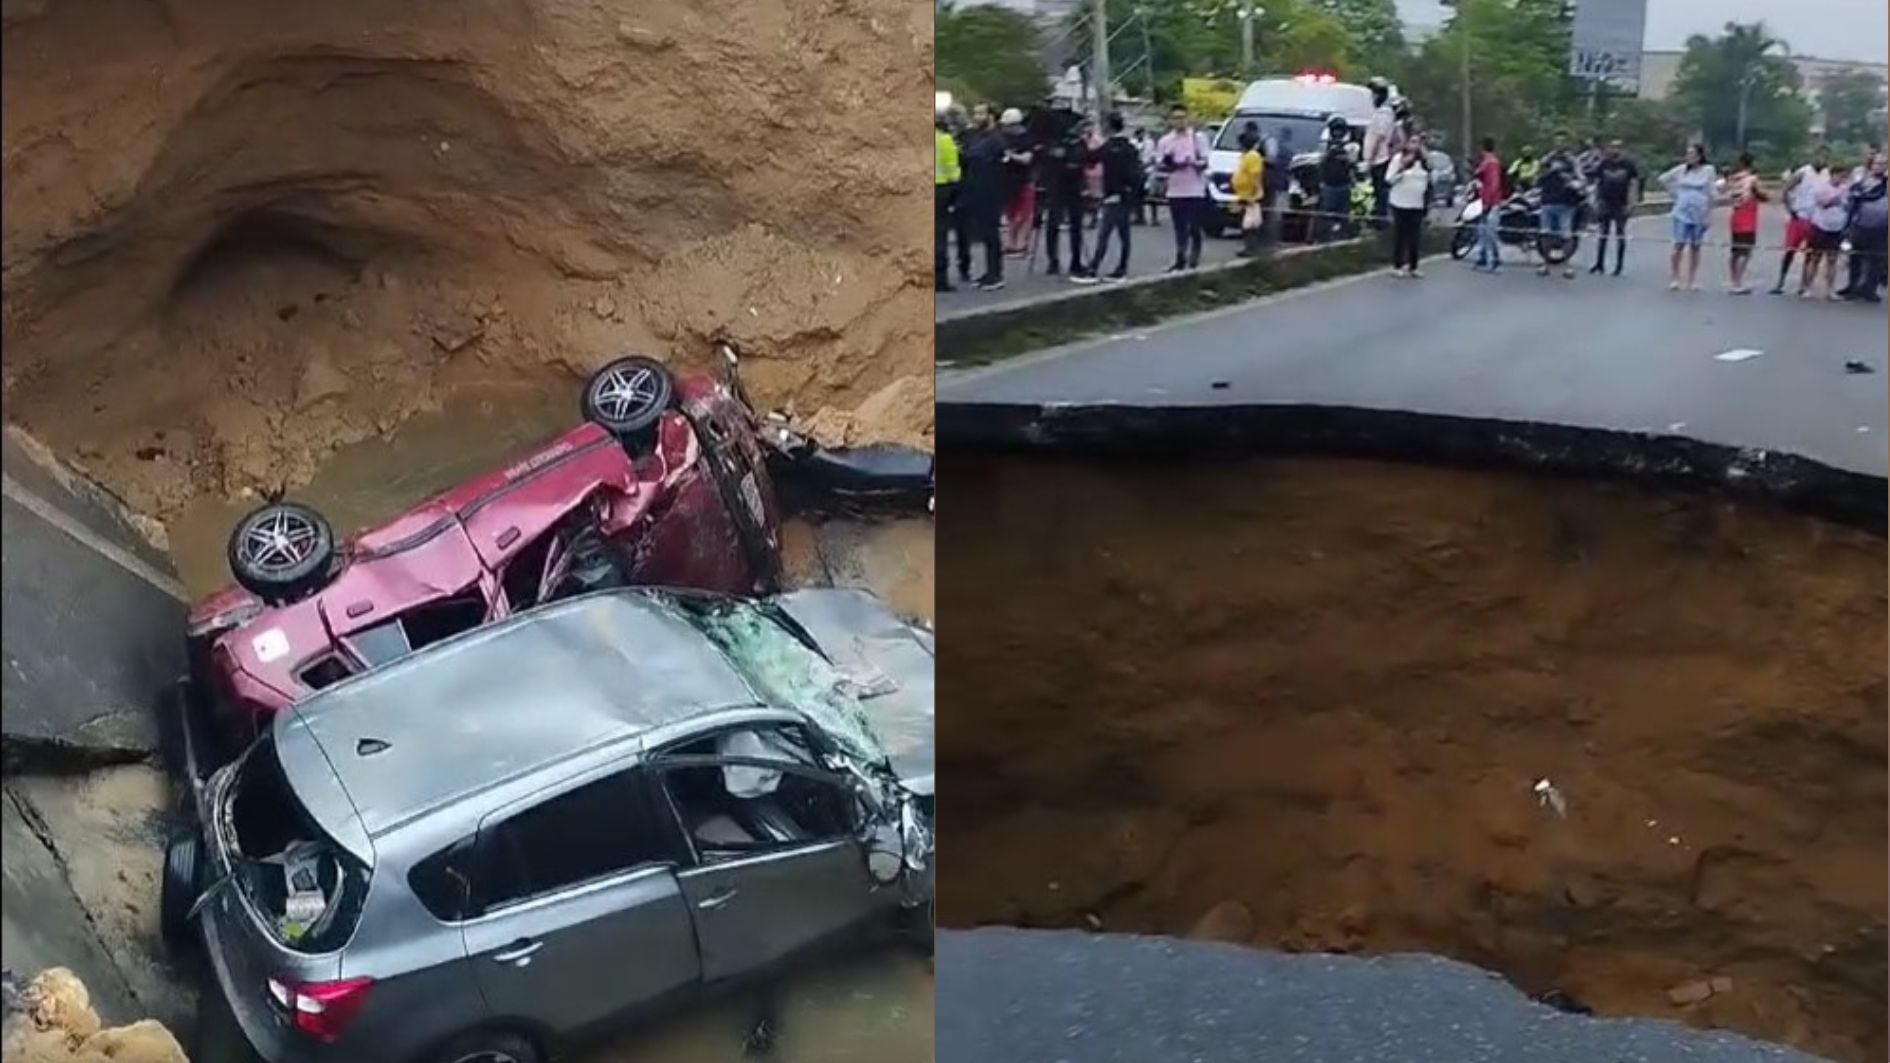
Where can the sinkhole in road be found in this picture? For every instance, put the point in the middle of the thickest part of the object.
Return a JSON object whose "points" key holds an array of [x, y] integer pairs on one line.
{"points": [[1305, 704]]}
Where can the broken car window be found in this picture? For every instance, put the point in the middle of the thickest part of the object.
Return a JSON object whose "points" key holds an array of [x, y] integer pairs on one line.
{"points": [[788, 671]]}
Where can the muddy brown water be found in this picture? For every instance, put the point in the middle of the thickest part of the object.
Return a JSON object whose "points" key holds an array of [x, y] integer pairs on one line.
{"points": [[1313, 697], [871, 1008]]}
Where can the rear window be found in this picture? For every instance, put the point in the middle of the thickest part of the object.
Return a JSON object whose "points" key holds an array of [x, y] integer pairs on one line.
{"points": [[307, 888]]}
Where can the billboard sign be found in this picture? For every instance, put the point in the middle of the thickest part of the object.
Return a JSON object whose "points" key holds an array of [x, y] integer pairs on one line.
{"points": [[1606, 42]]}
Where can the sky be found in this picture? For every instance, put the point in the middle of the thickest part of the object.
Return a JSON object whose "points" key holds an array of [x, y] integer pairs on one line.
{"points": [[1827, 29]]}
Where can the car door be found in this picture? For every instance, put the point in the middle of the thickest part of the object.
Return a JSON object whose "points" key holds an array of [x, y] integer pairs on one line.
{"points": [[757, 902], [581, 918]]}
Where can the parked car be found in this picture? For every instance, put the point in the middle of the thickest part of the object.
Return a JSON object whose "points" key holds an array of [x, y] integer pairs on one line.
{"points": [[572, 818], [670, 481]]}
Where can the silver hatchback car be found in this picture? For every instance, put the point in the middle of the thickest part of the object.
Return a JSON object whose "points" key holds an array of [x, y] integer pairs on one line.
{"points": [[541, 829]]}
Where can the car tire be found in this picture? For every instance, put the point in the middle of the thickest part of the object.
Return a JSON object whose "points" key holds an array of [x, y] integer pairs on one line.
{"points": [[488, 1047], [628, 397], [179, 888], [1461, 240], [282, 552]]}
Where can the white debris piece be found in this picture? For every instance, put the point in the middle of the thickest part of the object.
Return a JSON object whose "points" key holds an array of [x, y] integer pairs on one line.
{"points": [[1549, 797]]}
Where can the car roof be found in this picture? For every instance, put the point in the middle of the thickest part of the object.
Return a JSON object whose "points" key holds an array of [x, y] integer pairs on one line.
{"points": [[499, 703]]}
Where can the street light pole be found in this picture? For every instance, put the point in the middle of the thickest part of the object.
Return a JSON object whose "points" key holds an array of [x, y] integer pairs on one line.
{"points": [[1746, 82], [1099, 20], [1460, 24], [1247, 16]]}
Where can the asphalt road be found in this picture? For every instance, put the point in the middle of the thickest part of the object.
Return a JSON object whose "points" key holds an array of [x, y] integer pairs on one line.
{"points": [[1608, 352], [1014, 996]]}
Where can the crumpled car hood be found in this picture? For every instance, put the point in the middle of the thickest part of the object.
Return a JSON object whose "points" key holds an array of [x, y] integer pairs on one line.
{"points": [[890, 663]]}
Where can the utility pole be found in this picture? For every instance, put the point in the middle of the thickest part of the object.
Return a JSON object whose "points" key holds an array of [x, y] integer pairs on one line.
{"points": [[1099, 22], [1460, 24], [1746, 82], [1247, 16], [1148, 52]]}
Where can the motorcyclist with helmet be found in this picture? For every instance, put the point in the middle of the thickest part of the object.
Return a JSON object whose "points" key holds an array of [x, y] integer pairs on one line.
{"points": [[1337, 171]]}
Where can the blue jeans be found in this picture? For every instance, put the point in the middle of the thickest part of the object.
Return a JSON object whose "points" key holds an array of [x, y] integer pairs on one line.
{"points": [[1489, 248], [1335, 210], [1558, 218]]}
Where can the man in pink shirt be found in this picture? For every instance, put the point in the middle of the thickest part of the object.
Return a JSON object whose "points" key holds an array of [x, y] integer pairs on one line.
{"points": [[1182, 154], [1489, 178]]}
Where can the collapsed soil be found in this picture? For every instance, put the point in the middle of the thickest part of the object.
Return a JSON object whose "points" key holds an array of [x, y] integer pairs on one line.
{"points": [[55, 1023], [1304, 704], [237, 236]]}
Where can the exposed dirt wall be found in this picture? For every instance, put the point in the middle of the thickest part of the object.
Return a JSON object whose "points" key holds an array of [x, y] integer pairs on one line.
{"points": [[1303, 704], [239, 235]]}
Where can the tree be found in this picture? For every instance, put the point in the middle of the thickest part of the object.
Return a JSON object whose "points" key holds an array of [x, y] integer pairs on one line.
{"points": [[1517, 55], [1853, 104], [1376, 31], [1747, 64], [1201, 38], [990, 55]]}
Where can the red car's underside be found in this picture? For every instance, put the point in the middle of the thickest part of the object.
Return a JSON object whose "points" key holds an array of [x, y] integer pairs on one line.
{"points": [[694, 509]]}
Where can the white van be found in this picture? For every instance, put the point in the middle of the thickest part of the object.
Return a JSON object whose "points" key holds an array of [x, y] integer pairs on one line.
{"points": [[1293, 109]]}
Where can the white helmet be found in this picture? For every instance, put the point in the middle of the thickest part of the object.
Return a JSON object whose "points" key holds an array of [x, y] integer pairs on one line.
{"points": [[1011, 116]]}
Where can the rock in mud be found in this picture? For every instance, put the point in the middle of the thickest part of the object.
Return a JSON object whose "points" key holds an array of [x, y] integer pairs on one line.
{"points": [[1229, 921], [320, 380], [57, 1025]]}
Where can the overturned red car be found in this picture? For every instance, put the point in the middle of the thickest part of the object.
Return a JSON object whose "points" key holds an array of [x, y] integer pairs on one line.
{"points": [[670, 481]]}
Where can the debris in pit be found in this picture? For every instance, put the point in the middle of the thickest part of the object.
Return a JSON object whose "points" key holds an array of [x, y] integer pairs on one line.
{"points": [[1564, 1002], [1699, 990], [604, 307], [453, 333], [1548, 796], [1228, 921], [55, 1023]]}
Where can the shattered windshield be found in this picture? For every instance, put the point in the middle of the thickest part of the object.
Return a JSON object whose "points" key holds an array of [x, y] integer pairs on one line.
{"points": [[787, 671]]}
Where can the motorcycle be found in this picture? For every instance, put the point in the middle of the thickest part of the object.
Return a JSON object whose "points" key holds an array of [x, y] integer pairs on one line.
{"points": [[1518, 224]]}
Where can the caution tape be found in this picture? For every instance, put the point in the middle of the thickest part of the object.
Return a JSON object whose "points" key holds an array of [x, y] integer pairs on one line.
{"points": [[1510, 236]]}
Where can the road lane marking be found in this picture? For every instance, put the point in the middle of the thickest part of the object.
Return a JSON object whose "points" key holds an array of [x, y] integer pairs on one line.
{"points": [[85, 536]]}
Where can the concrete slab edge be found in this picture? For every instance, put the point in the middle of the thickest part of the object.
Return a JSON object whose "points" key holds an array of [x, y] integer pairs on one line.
{"points": [[1790, 481]]}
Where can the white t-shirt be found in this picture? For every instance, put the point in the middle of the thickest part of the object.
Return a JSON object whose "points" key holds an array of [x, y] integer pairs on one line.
{"points": [[1802, 204], [1410, 186], [1378, 137], [1828, 211]]}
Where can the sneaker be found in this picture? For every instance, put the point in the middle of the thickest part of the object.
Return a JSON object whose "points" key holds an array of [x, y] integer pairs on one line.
{"points": [[1595, 269], [1740, 289], [1051, 270], [943, 285], [993, 284], [1673, 286], [1617, 271], [1118, 274], [1176, 268], [1568, 273], [1414, 273], [1542, 270], [1082, 278]]}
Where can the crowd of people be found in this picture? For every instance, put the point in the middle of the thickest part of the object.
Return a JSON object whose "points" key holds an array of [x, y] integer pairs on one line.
{"points": [[1837, 216], [1007, 184]]}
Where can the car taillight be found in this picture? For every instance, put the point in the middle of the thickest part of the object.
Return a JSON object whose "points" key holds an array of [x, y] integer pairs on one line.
{"points": [[322, 1010]]}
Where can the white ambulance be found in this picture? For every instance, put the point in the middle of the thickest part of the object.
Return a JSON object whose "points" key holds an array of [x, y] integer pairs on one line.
{"points": [[1294, 109]]}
